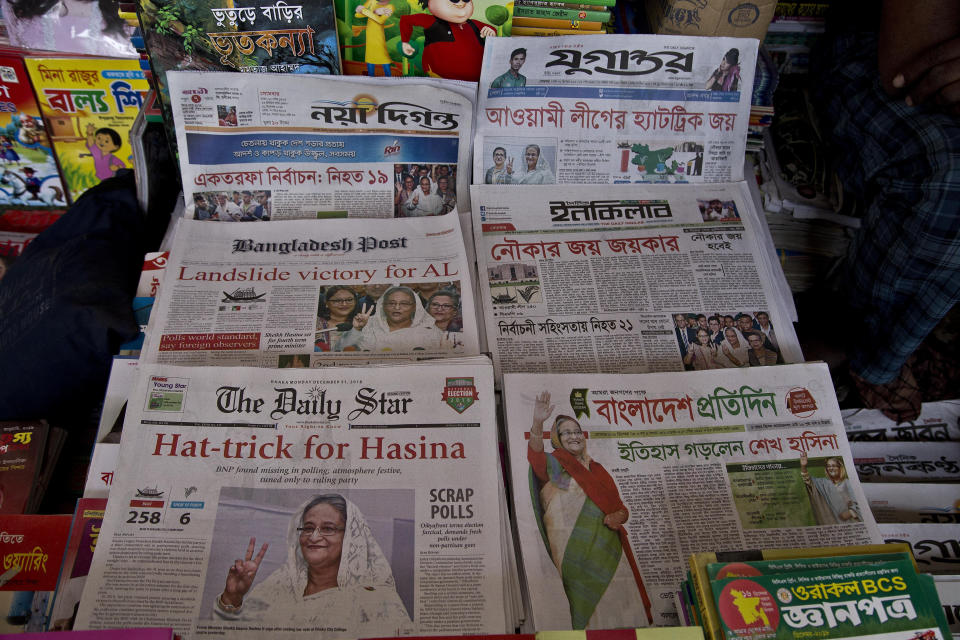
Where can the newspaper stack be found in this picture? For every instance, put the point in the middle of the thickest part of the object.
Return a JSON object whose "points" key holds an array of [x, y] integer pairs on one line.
{"points": [[295, 293], [593, 279], [322, 503], [642, 470]]}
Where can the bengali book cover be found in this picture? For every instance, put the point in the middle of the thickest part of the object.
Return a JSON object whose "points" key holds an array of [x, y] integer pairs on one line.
{"points": [[21, 456], [89, 105], [32, 548]]}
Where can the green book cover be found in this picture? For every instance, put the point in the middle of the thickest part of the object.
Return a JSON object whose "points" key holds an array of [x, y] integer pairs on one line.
{"points": [[855, 602], [720, 570], [561, 14]]}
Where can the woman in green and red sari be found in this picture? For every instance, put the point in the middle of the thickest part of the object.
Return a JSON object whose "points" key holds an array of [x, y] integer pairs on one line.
{"points": [[581, 518]]}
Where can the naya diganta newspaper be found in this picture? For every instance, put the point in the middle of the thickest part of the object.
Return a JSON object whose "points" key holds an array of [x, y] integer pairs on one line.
{"points": [[323, 503], [619, 478], [630, 278], [298, 293], [620, 109], [278, 146]]}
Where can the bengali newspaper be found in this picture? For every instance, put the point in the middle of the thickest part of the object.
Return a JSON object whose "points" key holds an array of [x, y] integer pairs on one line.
{"points": [[298, 293], [907, 461], [273, 146], [920, 502], [616, 109], [630, 474], [936, 546], [627, 278], [243, 492], [937, 421]]}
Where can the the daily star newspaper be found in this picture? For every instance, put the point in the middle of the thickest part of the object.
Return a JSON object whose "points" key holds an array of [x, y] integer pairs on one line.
{"points": [[616, 109], [626, 278], [216, 524], [298, 293], [619, 478], [273, 146]]}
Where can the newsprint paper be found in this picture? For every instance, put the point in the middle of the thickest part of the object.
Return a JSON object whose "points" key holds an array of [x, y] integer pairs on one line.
{"points": [[215, 524], [619, 478], [616, 109], [308, 146], [298, 293], [627, 278]]}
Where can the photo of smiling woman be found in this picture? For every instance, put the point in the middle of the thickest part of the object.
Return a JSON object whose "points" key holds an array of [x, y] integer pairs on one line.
{"points": [[335, 578], [581, 519]]}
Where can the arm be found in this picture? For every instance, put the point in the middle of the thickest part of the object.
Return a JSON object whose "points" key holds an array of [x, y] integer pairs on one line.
{"points": [[90, 131], [919, 53]]}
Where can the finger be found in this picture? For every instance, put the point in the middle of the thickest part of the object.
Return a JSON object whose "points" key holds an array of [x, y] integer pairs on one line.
{"points": [[936, 79], [263, 552], [912, 71], [250, 548], [949, 95]]}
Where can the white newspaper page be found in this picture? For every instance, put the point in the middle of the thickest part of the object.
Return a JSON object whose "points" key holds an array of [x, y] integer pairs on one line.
{"points": [[936, 547], [333, 503], [907, 461], [948, 590], [273, 146], [914, 501], [298, 293], [619, 478], [626, 278], [616, 109], [937, 421]]}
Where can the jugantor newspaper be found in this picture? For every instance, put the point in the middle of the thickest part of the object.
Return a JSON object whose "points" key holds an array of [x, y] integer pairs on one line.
{"points": [[616, 109], [627, 278], [619, 478], [291, 293], [317, 146], [382, 477]]}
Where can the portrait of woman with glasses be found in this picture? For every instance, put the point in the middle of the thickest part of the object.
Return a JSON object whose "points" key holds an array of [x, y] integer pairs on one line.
{"points": [[335, 577], [444, 307], [581, 518], [338, 305], [400, 323]]}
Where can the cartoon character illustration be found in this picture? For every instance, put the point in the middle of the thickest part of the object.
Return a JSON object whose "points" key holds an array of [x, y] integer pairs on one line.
{"points": [[31, 182], [10, 156], [102, 143], [30, 130], [376, 52], [453, 43]]}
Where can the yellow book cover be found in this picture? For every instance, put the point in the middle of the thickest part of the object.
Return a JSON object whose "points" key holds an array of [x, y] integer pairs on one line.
{"points": [[89, 105]]}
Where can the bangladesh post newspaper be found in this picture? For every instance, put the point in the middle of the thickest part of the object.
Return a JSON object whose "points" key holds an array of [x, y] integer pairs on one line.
{"points": [[306, 146], [616, 109], [630, 474], [325, 503], [627, 278], [298, 293]]}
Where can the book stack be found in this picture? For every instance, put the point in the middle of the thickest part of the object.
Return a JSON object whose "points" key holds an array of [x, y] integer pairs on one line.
{"points": [[834, 592], [793, 32], [28, 454], [551, 18]]}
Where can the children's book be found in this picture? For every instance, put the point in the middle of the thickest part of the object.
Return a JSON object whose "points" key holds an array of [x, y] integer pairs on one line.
{"points": [[274, 36], [89, 105], [29, 178], [436, 38]]}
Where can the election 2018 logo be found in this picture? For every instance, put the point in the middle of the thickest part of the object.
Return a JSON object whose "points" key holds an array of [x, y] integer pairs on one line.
{"points": [[460, 393]]}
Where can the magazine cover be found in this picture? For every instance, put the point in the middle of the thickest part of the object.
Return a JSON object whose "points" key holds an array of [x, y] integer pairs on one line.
{"points": [[89, 105], [29, 178], [249, 35], [433, 38]]}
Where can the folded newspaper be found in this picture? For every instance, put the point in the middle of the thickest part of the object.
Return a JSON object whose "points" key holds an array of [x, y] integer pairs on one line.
{"points": [[627, 278], [643, 470], [297, 293], [272, 146], [617, 109], [333, 503]]}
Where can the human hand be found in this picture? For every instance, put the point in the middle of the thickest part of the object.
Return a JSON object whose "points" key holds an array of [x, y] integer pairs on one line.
{"points": [[542, 409], [932, 77], [615, 520], [486, 32], [803, 461], [362, 317], [241, 574], [510, 165], [407, 48], [91, 129], [416, 199]]}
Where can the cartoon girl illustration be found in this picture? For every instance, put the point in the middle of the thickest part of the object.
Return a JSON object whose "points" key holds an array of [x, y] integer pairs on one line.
{"points": [[102, 143], [10, 156]]}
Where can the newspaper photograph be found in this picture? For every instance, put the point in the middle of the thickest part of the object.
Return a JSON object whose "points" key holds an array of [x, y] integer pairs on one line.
{"points": [[937, 421], [919, 502], [301, 294], [618, 109], [281, 146], [334, 503], [906, 461], [630, 474], [936, 547], [626, 278]]}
